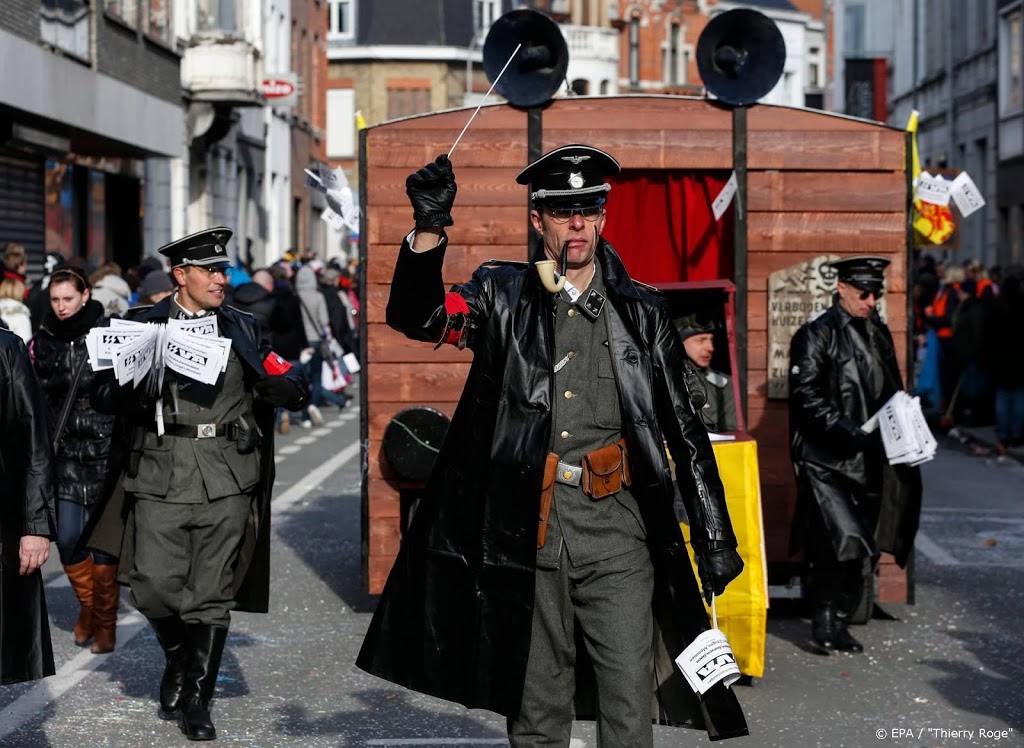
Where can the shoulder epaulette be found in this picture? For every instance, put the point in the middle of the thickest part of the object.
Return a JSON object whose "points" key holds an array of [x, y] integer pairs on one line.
{"points": [[240, 311], [511, 263], [646, 287]]}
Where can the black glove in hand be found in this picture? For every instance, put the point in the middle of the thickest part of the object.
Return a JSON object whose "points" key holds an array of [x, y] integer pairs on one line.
{"points": [[717, 569], [275, 390], [431, 191]]}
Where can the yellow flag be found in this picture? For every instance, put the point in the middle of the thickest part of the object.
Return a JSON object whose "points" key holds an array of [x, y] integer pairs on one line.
{"points": [[932, 222], [915, 155], [361, 121]]}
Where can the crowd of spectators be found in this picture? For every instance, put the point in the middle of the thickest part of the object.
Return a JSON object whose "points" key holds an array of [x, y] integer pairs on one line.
{"points": [[306, 308], [969, 328]]}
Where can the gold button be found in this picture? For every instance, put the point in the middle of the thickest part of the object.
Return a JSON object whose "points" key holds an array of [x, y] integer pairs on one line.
{"points": [[567, 475], [568, 394], [572, 354], [565, 434], [572, 312]]}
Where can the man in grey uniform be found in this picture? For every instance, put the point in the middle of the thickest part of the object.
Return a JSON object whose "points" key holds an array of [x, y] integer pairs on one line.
{"points": [[197, 536], [698, 337]]}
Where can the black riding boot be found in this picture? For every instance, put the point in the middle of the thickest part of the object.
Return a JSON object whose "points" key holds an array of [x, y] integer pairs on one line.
{"points": [[206, 645], [170, 632]]}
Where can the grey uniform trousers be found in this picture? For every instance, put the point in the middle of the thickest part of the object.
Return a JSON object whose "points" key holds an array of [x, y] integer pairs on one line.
{"points": [[611, 601], [185, 556]]}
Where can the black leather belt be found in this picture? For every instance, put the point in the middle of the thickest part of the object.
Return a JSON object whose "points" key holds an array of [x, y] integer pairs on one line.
{"points": [[199, 430]]}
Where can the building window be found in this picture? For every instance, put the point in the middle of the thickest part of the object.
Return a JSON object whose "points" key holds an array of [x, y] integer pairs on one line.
{"points": [[854, 30], [634, 50], [341, 123], [673, 56], [160, 20], [485, 12], [64, 24], [341, 19], [126, 11], [217, 15], [1011, 86], [406, 98]]}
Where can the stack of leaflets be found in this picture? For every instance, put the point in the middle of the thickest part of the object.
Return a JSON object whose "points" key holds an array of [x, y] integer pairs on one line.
{"points": [[191, 347], [905, 433]]}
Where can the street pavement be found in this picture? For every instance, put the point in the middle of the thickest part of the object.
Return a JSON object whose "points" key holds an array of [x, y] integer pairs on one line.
{"points": [[945, 672]]}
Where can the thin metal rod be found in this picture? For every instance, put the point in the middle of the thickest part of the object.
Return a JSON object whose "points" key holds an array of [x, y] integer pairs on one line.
{"points": [[498, 78]]}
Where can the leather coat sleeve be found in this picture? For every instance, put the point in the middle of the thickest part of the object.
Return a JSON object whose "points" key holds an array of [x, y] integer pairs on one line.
{"points": [[300, 397], [30, 409], [688, 443], [416, 304], [811, 402]]}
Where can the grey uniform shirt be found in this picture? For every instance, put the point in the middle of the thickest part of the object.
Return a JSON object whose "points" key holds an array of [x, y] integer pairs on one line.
{"points": [[586, 416], [182, 470]]}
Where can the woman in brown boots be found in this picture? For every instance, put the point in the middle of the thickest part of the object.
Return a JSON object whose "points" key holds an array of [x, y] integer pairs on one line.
{"points": [[87, 460]]}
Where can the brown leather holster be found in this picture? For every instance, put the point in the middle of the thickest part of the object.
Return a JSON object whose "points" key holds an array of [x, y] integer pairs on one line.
{"points": [[547, 495], [606, 470]]}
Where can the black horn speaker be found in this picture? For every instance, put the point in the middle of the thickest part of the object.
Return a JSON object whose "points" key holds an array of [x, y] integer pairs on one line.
{"points": [[740, 56], [412, 440], [538, 69]]}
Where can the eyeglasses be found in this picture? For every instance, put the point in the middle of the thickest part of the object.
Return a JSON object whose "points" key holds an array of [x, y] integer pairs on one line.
{"points": [[213, 271], [564, 215]]}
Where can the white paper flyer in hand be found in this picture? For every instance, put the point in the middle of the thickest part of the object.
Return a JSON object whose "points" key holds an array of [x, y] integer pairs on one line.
{"points": [[905, 434], [197, 357], [708, 660], [198, 325]]}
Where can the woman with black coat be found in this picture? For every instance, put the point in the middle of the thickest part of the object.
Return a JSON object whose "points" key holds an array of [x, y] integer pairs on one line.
{"points": [[87, 460]]}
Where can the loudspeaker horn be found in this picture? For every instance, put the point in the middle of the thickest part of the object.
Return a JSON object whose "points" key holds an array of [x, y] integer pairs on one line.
{"points": [[740, 56], [538, 69]]}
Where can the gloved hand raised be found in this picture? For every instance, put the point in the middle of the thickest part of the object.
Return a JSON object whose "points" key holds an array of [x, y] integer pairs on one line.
{"points": [[275, 390], [717, 568], [431, 191]]}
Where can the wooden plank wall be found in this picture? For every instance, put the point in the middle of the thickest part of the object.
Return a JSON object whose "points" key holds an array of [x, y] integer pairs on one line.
{"points": [[490, 222], [818, 183]]}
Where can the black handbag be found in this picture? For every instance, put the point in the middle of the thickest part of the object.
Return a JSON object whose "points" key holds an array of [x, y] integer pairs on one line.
{"points": [[65, 412]]}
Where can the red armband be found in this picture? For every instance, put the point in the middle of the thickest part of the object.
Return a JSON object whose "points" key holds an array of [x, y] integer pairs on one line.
{"points": [[274, 365], [455, 327]]}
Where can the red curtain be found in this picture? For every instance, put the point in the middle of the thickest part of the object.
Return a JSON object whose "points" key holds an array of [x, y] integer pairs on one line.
{"points": [[661, 224]]}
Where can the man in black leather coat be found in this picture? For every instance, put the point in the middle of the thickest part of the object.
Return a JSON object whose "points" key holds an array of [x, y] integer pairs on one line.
{"points": [[851, 503], [481, 607], [27, 517]]}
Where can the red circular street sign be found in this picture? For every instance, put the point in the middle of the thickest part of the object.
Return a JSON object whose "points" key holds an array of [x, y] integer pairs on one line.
{"points": [[275, 88]]}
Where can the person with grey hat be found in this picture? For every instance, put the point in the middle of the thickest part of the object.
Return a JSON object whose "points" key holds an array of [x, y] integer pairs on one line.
{"points": [[851, 504], [719, 407], [198, 482], [544, 575], [155, 286]]}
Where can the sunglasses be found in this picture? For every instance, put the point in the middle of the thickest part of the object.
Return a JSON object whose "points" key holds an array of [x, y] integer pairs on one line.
{"points": [[564, 215], [865, 294]]}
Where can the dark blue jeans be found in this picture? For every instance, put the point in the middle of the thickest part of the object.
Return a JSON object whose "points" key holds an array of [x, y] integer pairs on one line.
{"points": [[1010, 414], [317, 394], [71, 521]]}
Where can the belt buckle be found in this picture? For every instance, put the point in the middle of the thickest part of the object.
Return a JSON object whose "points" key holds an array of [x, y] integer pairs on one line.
{"points": [[206, 430], [569, 475]]}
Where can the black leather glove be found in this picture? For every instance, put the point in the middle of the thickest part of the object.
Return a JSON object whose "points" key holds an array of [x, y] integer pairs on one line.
{"points": [[275, 390], [717, 568], [431, 191]]}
